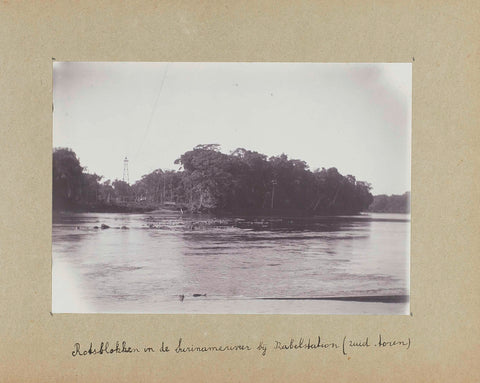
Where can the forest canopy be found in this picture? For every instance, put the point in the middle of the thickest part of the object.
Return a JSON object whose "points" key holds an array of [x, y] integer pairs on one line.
{"points": [[209, 180], [391, 204]]}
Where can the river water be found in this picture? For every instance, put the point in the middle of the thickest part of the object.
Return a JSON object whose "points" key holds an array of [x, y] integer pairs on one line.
{"points": [[165, 262]]}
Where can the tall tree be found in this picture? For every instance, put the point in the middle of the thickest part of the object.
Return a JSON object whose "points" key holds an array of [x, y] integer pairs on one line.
{"points": [[67, 178]]}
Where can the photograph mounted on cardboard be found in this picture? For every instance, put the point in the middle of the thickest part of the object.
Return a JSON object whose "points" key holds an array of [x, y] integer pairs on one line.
{"points": [[235, 188]]}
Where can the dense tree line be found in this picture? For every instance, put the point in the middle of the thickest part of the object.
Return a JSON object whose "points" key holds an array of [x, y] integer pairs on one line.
{"points": [[73, 187], [209, 180], [391, 204]]}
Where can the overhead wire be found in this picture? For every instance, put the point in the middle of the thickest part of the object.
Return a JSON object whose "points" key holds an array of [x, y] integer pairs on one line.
{"points": [[147, 130]]}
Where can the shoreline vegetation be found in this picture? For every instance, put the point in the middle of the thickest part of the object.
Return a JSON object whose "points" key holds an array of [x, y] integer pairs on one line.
{"points": [[243, 182], [391, 204]]}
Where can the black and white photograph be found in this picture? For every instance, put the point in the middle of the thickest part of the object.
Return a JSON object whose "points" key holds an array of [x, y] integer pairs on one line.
{"points": [[231, 188]]}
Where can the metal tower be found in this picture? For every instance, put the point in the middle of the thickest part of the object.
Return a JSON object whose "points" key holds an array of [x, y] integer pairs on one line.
{"points": [[125, 171]]}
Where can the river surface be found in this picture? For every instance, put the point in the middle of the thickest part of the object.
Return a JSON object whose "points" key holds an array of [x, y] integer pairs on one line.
{"points": [[164, 262]]}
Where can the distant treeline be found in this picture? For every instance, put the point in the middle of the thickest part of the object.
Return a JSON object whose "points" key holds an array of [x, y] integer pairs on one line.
{"points": [[242, 181], [391, 204]]}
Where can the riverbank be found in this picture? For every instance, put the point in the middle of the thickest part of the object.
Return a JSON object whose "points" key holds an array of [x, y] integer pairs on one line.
{"points": [[135, 207], [220, 213], [105, 208]]}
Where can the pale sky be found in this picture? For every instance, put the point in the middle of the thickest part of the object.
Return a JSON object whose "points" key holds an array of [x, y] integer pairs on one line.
{"points": [[355, 117]]}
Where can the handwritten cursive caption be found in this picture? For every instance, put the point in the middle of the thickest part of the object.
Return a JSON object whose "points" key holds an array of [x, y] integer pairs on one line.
{"points": [[345, 346]]}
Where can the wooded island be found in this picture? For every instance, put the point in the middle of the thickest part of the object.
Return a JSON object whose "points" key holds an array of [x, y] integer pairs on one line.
{"points": [[242, 182]]}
